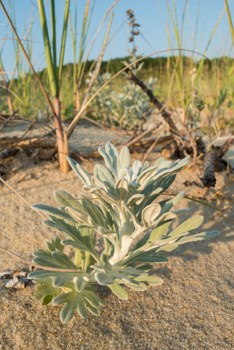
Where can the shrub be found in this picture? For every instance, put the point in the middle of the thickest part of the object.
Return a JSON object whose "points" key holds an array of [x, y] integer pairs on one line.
{"points": [[127, 109], [116, 233]]}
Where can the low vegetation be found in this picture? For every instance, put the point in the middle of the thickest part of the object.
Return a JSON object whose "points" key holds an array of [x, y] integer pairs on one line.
{"points": [[116, 233]]}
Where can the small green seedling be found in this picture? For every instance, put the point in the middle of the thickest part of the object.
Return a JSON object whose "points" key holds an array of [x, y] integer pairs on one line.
{"points": [[116, 233]]}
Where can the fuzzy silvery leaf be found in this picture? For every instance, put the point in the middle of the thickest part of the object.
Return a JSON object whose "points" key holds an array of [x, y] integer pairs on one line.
{"points": [[104, 278], [109, 154], [94, 211], [80, 172], [66, 200], [124, 161], [73, 301], [119, 291], [46, 291], [168, 247], [78, 244], [199, 236], [188, 225], [134, 285], [55, 212], [159, 161], [145, 257], [80, 218], [136, 168], [160, 231], [158, 186], [150, 214], [55, 259], [135, 199], [121, 189], [104, 175], [55, 244], [127, 228], [146, 175], [79, 283], [71, 231], [41, 274], [92, 298], [151, 280], [93, 310], [63, 278]]}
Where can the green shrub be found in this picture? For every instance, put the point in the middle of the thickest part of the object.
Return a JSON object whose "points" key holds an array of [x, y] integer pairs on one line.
{"points": [[116, 233]]}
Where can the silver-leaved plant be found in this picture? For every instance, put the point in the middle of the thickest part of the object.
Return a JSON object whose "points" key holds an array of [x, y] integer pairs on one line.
{"points": [[115, 233]]}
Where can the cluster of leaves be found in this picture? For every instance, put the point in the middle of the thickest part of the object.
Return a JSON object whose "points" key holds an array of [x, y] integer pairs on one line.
{"points": [[127, 109], [115, 233]]}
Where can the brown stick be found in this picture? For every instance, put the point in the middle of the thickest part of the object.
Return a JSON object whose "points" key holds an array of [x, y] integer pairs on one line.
{"points": [[141, 136], [61, 137], [150, 149], [165, 114]]}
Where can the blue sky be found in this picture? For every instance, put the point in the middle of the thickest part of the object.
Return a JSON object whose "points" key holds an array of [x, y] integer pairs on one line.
{"points": [[152, 15]]}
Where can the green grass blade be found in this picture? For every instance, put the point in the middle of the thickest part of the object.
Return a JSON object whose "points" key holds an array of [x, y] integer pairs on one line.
{"points": [[27, 57], [53, 31], [63, 41], [229, 20], [47, 46]]}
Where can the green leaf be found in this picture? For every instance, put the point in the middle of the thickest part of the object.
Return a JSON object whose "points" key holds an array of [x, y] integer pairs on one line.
{"points": [[138, 287], [121, 187], [191, 224], [66, 200], [58, 213], [82, 246], [159, 231], [150, 214], [94, 211], [109, 155], [93, 300], [60, 225], [93, 310], [45, 290], [151, 280], [119, 291], [53, 259], [63, 278], [41, 274], [124, 161], [80, 283], [80, 172], [145, 257], [167, 247], [104, 278], [104, 174], [55, 244], [72, 300], [199, 236]]}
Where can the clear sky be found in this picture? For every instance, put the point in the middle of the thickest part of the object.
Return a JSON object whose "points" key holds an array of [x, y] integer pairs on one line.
{"points": [[201, 17]]}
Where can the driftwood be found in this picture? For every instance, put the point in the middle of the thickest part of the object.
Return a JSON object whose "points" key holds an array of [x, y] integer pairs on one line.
{"points": [[41, 147], [142, 135], [9, 152], [186, 145], [209, 179], [214, 162]]}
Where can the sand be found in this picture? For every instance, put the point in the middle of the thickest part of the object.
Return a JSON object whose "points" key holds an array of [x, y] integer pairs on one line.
{"points": [[192, 310]]}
